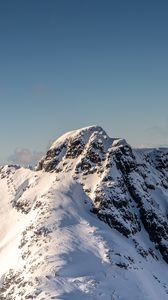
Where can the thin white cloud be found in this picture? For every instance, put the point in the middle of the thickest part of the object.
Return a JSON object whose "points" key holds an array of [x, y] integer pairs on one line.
{"points": [[25, 157]]}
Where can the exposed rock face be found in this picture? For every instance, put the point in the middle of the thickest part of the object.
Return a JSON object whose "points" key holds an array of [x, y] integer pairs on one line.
{"points": [[125, 181], [54, 222]]}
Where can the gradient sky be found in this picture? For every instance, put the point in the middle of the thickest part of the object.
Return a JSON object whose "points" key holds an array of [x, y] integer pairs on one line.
{"points": [[66, 64]]}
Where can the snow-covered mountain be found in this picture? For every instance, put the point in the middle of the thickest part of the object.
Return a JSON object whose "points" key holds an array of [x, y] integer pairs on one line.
{"points": [[90, 223]]}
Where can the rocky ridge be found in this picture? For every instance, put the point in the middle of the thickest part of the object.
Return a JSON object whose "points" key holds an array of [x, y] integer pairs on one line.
{"points": [[58, 217], [125, 181]]}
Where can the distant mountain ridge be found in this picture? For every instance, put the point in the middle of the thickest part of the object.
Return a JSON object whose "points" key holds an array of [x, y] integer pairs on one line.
{"points": [[90, 223]]}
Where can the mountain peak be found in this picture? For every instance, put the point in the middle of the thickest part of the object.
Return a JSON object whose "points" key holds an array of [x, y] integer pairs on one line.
{"points": [[123, 176], [90, 224], [84, 132], [77, 144]]}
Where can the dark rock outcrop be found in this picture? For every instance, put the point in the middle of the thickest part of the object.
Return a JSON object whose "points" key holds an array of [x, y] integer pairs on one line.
{"points": [[126, 181]]}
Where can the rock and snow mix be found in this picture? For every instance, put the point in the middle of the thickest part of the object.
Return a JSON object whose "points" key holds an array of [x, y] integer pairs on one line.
{"points": [[90, 223]]}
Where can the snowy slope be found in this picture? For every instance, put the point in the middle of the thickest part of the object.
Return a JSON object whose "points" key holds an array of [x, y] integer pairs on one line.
{"points": [[90, 223]]}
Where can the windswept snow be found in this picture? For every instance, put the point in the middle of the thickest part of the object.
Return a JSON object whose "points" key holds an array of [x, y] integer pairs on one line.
{"points": [[53, 246]]}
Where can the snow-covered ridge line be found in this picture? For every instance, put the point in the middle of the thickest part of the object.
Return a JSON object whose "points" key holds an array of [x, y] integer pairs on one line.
{"points": [[125, 179], [90, 223]]}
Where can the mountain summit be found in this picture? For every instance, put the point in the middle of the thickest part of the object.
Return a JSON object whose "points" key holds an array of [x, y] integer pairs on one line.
{"points": [[90, 223]]}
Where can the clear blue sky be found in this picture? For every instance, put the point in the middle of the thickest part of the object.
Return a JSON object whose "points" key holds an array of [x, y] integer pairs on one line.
{"points": [[65, 64]]}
